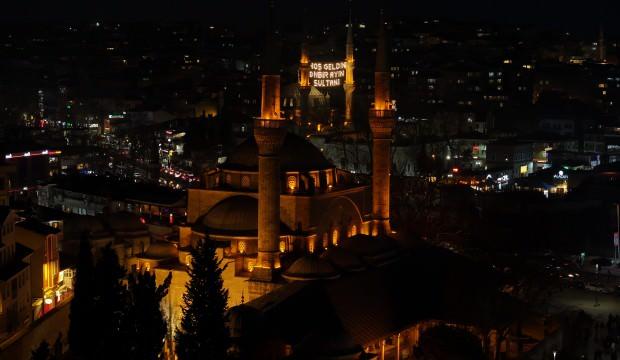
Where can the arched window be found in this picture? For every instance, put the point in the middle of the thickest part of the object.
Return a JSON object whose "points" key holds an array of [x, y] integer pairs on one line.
{"points": [[311, 245], [291, 183], [335, 237], [188, 260], [353, 230], [282, 246], [242, 246]]}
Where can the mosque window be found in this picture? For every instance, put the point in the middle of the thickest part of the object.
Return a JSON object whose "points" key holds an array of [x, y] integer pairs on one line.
{"points": [[147, 266], [311, 246], [353, 230], [335, 237], [242, 246], [245, 181], [282, 246], [251, 266], [325, 240], [188, 260], [228, 179], [291, 183]]}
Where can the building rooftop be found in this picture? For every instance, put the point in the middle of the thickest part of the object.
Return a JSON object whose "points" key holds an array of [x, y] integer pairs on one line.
{"points": [[37, 227]]}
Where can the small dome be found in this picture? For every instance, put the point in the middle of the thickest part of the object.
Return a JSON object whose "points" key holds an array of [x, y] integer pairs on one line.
{"points": [[343, 259], [376, 250], [296, 154], [161, 250], [311, 267]]}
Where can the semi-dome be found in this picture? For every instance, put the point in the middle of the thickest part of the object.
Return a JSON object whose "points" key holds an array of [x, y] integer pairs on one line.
{"points": [[235, 215], [343, 259], [311, 267], [296, 154], [239, 213]]}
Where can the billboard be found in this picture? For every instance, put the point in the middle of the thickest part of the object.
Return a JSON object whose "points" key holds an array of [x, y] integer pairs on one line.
{"points": [[327, 74]]}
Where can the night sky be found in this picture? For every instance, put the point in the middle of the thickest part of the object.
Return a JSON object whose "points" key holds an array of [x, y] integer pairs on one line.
{"points": [[577, 15]]}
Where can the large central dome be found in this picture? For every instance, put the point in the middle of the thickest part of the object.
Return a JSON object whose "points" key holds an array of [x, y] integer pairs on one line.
{"points": [[297, 154]]}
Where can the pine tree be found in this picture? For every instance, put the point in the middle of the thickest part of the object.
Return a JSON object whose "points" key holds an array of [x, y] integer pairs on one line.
{"points": [[145, 323], [203, 333], [81, 329]]}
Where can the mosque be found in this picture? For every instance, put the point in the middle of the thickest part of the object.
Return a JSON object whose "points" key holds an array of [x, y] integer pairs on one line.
{"points": [[277, 209]]}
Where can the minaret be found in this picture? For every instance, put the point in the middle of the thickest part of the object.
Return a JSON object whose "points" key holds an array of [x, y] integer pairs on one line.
{"points": [[269, 132], [304, 78], [602, 51], [349, 82], [381, 118]]}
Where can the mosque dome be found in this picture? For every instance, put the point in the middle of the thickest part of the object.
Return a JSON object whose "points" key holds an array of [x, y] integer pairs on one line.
{"points": [[296, 154], [235, 215], [311, 267], [343, 259]]}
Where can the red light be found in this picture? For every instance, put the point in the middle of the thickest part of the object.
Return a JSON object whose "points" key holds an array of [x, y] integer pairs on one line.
{"points": [[142, 220], [171, 220]]}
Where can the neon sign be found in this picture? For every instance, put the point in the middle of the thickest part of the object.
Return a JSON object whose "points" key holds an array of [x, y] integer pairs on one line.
{"points": [[328, 74]]}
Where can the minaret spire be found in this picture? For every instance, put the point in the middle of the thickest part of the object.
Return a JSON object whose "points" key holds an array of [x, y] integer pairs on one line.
{"points": [[349, 81], [382, 123], [304, 75]]}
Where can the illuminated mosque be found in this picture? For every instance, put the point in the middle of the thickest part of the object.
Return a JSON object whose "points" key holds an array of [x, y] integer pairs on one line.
{"points": [[311, 266], [277, 209], [277, 203]]}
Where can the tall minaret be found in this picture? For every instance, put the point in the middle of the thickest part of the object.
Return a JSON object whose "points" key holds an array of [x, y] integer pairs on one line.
{"points": [[381, 118], [269, 133], [349, 82], [304, 78], [602, 51]]}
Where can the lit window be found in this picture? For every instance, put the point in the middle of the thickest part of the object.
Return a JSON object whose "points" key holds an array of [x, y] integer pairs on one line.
{"points": [[251, 266], [242, 247], [282, 246], [311, 246], [353, 230], [291, 183], [335, 237]]}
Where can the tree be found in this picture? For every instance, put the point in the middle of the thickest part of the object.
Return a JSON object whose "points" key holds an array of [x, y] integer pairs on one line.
{"points": [[203, 333], [110, 306], [81, 328], [145, 324], [42, 352]]}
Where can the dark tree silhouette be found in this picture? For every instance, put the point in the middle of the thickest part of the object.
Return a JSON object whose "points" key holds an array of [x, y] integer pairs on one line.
{"points": [[203, 333], [42, 352], [110, 306], [444, 342], [145, 325], [81, 328]]}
